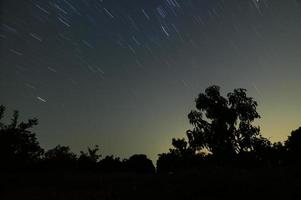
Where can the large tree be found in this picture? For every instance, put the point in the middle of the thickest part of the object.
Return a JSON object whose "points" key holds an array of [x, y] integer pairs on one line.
{"points": [[223, 125]]}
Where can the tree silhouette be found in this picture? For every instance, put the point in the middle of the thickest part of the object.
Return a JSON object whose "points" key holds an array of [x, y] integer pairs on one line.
{"points": [[111, 164], [60, 157], [180, 146], [293, 145], [223, 126], [139, 163], [91, 155], [88, 160], [18, 145], [179, 158], [278, 154]]}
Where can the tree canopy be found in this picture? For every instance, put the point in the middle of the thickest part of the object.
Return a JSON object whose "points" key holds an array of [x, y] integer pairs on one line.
{"points": [[18, 145], [223, 125], [293, 145]]}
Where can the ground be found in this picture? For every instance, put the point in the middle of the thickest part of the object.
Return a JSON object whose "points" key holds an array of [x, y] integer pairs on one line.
{"points": [[210, 184]]}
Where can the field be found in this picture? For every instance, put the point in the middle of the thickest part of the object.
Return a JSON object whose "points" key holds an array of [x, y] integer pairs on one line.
{"points": [[208, 184]]}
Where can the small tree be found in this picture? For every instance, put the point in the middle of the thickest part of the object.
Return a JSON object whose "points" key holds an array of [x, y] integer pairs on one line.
{"points": [[88, 160]]}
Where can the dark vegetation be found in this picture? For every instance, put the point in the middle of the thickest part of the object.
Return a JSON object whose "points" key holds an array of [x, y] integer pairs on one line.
{"points": [[223, 155]]}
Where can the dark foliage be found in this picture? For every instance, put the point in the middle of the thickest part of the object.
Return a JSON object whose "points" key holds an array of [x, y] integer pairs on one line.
{"points": [[19, 147], [179, 158], [111, 164], [222, 125], [293, 145], [140, 164], [88, 160], [60, 157]]}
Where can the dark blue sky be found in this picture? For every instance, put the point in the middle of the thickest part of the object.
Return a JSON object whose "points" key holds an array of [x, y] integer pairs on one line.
{"points": [[124, 73]]}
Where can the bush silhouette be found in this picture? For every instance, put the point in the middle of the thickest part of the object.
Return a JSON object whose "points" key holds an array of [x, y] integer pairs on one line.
{"points": [[139, 163], [179, 158], [18, 145], [111, 164], [60, 157]]}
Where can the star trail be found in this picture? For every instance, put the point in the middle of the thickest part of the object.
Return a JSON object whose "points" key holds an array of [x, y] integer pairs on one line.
{"points": [[124, 73]]}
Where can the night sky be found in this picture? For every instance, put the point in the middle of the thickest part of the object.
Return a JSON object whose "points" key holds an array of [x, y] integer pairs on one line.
{"points": [[124, 73]]}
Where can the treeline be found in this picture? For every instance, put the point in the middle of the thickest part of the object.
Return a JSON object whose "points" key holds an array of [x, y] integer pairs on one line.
{"points": [[20, 150], [222, 136]]}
